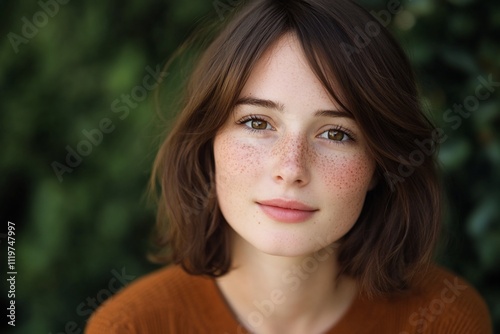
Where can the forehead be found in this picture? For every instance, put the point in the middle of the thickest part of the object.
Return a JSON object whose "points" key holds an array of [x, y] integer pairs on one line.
{"points": [[284, 74]]}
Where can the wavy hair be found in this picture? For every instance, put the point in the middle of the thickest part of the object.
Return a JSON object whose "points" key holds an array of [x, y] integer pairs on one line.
{"points": [[368, 75]]}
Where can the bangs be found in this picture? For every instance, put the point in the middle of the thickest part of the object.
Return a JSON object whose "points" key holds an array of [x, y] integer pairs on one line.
{"points": [[367, 76]]}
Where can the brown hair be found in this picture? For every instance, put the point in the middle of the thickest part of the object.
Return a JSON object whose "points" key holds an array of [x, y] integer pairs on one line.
{"points": [[370, 77]]}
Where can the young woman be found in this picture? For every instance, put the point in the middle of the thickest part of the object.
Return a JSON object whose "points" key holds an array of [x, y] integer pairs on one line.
{"points": [[298, 189]]}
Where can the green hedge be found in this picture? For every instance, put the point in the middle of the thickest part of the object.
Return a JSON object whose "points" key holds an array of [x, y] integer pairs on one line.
{"points": [[78, 76]]}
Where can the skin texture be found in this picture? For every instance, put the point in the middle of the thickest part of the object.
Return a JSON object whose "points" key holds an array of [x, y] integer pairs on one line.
{"points": [[292, 158], [293, 154]]}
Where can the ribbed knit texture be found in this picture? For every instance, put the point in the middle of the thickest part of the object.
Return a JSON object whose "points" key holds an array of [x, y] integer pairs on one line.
{"points": [[172, 301]]}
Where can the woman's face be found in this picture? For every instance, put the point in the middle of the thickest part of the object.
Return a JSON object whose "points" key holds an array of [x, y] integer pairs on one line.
{"points": [[292, 170]]}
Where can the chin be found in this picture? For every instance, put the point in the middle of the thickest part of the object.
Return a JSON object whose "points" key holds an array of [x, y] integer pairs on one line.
{"points": [[288, 246]]}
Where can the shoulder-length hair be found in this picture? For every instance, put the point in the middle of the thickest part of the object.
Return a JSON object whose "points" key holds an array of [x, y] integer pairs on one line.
{"points": [[367, 73]]}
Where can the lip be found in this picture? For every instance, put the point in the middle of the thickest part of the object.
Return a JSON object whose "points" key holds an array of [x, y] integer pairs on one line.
{"points": [[287, 211]]}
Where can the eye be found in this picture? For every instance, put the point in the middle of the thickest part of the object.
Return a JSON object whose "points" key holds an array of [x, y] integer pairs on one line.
{"points": [[258, 124], [255, 123], [336, 135]]}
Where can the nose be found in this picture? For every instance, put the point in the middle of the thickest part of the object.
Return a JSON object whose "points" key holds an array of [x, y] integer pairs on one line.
{"points": [[292, 160]]}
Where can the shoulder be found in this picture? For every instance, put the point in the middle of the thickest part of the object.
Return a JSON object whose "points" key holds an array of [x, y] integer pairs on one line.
{"points": [[150, 303], [443, 302]]}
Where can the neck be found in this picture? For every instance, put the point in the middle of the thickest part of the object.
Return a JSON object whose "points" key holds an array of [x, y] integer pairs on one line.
{"points": [[276, 294]]}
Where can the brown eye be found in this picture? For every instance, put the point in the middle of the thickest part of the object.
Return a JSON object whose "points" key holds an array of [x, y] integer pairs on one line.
{"points": [[336, 135], [255, 123], [258, 124]]}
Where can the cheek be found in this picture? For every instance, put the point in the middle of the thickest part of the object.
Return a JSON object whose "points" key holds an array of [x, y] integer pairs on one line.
{"points": [[346, 181], [347, 173], [235, 161], [237, 165]]}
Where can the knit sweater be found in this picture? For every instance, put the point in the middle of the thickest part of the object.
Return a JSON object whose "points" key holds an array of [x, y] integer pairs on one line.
{"points": [[172, 301]]}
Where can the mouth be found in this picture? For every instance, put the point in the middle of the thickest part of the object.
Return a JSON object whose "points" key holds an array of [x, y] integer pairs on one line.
{"points": [[287, 211]]}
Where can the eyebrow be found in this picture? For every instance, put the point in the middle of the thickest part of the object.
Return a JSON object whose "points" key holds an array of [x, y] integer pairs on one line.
{"points": [[261, 103], [269, 104]]}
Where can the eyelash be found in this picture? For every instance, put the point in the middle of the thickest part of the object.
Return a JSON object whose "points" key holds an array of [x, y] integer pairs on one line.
{"points": [[340, 128], [251, 118], [347, 132]]}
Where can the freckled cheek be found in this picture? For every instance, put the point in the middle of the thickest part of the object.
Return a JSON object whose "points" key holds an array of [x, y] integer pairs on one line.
{"points": [[347, 173], [235, 158]]}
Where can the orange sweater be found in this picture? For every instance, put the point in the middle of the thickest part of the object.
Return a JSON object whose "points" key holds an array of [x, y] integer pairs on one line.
{"points": [[172, 301]]}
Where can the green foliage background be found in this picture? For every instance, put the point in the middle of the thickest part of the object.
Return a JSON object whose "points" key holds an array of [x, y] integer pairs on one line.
{"points": [[72, 235]]}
